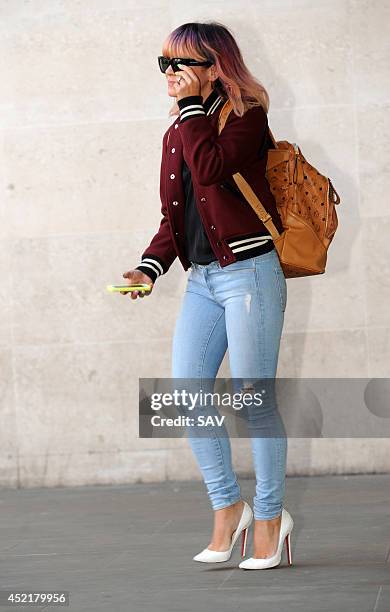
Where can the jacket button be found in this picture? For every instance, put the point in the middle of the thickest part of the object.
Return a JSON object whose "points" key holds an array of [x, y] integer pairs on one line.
{"points": [[173, 149], [224, 257], [176, 233], [172, 176], [212, 226], [176, 126], [218, 243], [203, 199], [175, 203]]}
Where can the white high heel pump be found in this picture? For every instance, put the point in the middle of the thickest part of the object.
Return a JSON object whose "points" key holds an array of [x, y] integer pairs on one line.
{"points": [[217, 556], [286, 526]]}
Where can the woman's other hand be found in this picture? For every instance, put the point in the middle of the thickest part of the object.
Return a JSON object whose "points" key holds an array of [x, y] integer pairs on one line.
{"points": [[135, 277]]}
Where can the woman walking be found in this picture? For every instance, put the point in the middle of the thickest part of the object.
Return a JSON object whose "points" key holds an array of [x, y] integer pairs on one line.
{"points": [[236, 292]]}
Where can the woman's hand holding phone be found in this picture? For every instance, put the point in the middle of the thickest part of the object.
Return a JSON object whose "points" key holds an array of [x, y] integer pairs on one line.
{"points": [[135, 277]]}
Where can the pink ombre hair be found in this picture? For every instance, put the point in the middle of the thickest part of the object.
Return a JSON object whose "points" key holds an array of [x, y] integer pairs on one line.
{"points": [[214, 42]]}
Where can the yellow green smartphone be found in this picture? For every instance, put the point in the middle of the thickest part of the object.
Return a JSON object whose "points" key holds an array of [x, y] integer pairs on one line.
{"points": [[143, 287]]}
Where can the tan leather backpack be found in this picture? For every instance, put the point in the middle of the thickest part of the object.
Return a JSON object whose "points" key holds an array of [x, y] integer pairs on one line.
{"points": [[305, 200]]}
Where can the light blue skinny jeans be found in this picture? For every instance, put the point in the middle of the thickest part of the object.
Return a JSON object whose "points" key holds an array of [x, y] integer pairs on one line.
{"points": [[239, 307]]}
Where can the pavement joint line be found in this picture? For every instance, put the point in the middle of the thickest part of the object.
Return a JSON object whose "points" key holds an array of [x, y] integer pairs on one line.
{"points": [[228, 575], [378, 596]]}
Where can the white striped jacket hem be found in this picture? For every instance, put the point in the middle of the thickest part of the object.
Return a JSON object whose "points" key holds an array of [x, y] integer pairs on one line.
{"points": [[248, 243]]}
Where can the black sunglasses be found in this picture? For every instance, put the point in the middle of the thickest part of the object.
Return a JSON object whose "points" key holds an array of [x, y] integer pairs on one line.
{"points": [[164, 62]]}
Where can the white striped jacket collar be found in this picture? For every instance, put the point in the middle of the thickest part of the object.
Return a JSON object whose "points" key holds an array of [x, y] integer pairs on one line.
{"points": [[212, 102]]}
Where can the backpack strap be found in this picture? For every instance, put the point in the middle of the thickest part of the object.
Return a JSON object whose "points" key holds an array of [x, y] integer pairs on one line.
{"points": [[244, 186], [254, 201], [223, 115]]}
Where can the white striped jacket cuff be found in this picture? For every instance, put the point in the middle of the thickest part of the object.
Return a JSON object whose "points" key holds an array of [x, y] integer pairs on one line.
{"points": [[191, 106], [153, 266]]}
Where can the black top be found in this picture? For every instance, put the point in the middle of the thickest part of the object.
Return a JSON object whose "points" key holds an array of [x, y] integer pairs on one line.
{"points": [[197, 245]]}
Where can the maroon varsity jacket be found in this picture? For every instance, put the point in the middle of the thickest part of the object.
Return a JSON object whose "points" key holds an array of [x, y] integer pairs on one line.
{"points": [[230, 223]]}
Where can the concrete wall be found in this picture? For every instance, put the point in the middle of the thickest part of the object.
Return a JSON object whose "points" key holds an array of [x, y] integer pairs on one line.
{"points": [[82, 111]]}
